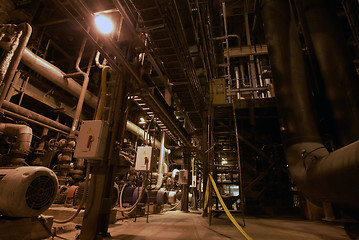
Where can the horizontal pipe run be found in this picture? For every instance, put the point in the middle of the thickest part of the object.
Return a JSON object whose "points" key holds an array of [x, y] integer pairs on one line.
{"points": [[28, 120], [34, 116], [54, 75]]}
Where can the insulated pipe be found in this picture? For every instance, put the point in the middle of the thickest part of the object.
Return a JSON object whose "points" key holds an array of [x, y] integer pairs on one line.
{"points": [[321, 176], [336, 67], [54, 75], [23, 136], [161, 162], [25, 30], [34, 116], [133, 128], [289, 73]]}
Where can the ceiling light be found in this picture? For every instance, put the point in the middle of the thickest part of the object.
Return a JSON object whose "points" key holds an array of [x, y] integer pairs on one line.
{"points": [[142, 121], [104, 24]]}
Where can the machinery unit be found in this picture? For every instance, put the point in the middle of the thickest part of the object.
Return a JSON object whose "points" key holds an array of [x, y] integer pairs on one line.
{"points": [[26, 191], [92, 140]]}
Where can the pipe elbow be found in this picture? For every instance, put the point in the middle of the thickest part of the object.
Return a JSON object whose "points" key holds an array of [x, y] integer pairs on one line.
{"points": [[23, 134]]}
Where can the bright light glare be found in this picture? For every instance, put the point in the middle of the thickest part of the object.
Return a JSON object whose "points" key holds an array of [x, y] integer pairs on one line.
{"points": [[104, 24], [224, 162], [142, 120]]}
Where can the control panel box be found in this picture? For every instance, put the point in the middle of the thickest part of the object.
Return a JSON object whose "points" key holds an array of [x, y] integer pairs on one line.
{"points": [[91, 142], [183, 177], [146, 159]]}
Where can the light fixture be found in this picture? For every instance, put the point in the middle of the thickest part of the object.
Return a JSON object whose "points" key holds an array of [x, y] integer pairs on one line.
{"points": [[142, 120], [224, 162], [104, 24]]}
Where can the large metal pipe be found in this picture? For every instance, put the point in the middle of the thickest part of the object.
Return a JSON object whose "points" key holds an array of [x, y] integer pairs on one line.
{"points": [[34, 116], [54, 75], [321, 176], [336, 67]]}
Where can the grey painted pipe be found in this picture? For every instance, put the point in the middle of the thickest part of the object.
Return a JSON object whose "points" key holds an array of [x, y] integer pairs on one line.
{"points": [[321, 176]]}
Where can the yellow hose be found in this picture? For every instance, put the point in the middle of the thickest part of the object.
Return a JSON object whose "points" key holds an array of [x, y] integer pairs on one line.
{"points": [[102, 103], [230, 216]]}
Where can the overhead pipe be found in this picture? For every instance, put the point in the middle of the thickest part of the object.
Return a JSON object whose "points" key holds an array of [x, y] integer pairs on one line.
{"points": [[23, 136], [161, 162], [322, 176], [54, 75], [25, 33], [335, 66], [28, 114]]}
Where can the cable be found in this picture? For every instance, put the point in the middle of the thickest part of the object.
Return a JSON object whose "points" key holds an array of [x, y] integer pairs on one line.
{"points": [[82, 200], [230, 216]]}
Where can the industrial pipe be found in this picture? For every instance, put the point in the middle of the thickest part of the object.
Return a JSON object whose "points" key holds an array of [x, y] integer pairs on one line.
{"points": [[161, 162], [25, 31], [336, 67], [321, 176], [54, 75], [23, 136]]}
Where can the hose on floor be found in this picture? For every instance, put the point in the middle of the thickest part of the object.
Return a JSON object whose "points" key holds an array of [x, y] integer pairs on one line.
{"points": [[230, 216]]}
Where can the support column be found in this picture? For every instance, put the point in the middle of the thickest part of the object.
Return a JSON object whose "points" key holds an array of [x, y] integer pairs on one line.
{"points": [[185, 187]]}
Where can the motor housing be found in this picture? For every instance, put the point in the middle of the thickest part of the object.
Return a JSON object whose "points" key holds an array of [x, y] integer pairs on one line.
{"points": [[26, 191]]}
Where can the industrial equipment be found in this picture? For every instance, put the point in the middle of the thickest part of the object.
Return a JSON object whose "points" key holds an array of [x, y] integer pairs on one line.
{"points": [[26, 191]]}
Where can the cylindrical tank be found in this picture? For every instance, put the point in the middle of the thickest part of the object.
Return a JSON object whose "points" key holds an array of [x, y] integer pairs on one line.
{"points": [[26, 191]]}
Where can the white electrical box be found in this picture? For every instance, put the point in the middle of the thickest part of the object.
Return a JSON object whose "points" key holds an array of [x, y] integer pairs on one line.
{"points": [[91, 142], [145, 159], [194, 181]]}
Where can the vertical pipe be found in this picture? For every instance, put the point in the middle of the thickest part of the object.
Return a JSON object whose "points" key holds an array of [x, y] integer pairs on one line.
{"points": [[335, 66], [26, 30], [161, 161], [238, 85], [83, 89]]}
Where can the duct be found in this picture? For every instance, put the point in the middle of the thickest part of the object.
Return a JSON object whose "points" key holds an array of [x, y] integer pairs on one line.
{"points": [[23, 136], [161, 161], [321, 176], [54, 74], [335, 66]]}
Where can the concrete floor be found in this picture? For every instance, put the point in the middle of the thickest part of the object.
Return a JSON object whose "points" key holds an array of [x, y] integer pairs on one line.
{"points": [[188, 226]]}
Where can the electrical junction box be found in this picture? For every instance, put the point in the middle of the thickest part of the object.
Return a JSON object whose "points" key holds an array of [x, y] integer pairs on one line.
{"points": [[91, 142], [183, 177], [146, 159], [194, 181], [218, 91]]}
